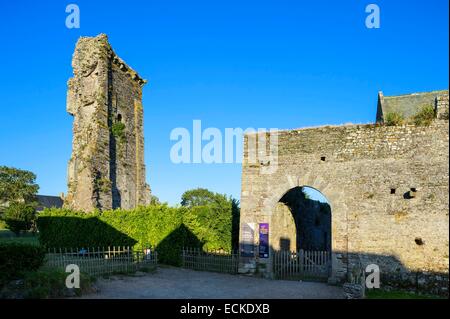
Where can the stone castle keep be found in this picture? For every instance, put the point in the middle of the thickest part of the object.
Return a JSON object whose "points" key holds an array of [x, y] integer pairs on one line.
{"points": [[387, 187], [107, 169]]}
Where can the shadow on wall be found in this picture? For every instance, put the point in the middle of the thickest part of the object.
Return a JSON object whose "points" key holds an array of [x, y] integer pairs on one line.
{"points": [[285, 244], [393, 273]]}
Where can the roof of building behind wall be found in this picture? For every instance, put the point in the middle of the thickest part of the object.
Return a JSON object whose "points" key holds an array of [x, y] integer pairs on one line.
{"points": [[45, 201], [408, 105]]}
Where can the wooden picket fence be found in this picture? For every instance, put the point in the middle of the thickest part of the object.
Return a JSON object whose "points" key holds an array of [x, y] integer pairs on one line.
{"points": [[103, 261], [302, 265], [210, 260]]}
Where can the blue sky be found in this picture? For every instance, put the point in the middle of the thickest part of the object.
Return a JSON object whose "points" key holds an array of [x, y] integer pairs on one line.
{"points": [[268, 64]]}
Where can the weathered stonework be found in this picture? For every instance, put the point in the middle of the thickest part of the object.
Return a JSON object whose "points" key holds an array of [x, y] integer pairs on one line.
{"points": [[442, 107], [388, 191], [106, 170]]}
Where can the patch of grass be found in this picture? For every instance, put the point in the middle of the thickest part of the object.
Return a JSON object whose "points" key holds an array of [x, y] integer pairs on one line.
{"points": [[103, 184], [118, 129], [425, 116], [396, 294], [6, 233], [393, 119], [32, 240]]}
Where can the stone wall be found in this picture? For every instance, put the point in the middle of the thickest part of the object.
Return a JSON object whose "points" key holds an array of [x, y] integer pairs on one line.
{"points": [[387, 187], [107, 168], [442, 107]]}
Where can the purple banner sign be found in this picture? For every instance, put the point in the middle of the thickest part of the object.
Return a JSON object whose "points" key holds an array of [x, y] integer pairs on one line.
{"points": [[247, 242], [264, 240]]}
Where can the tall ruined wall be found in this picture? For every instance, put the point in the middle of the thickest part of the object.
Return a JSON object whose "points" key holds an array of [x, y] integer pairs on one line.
{"points": [[387, 187], [107, 168], [441, 106]]}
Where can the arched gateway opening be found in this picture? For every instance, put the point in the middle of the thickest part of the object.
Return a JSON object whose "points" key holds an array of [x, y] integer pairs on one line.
{"points": [[301, 238]]}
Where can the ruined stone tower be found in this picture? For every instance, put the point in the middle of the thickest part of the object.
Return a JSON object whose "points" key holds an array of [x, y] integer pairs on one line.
{"points": [[107, 168]]}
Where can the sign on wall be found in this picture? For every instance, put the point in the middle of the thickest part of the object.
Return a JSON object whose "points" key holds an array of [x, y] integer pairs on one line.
{"points": [[264, 240], [248, 240]]}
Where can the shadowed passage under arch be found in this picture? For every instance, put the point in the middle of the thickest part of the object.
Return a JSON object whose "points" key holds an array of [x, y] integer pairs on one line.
{"points": [[303, 221]]}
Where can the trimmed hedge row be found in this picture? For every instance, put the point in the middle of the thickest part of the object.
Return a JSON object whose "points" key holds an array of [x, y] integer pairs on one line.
{"points": [[18, 258], [166, 228]]}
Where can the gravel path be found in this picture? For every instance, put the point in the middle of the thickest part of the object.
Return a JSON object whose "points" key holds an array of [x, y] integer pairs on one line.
{"points": [[182, 283]]}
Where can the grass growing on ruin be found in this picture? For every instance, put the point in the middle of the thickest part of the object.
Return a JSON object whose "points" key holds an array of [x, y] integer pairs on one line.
{"points": [[425, 116], [396, 294], [117, 130], [394, 119]]}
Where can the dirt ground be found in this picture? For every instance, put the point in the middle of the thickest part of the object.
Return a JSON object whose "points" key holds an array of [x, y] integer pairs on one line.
{"points": [[171, 282]]}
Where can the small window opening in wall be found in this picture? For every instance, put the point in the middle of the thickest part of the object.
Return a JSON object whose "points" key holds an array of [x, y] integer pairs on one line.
{"points": [[392, 190], [410, 194], [119, 118], [419, 241], [322, 158]]}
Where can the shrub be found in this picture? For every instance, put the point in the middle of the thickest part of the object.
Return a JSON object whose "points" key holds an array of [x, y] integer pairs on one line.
{"points": [[46, 283], [425, 116], [19, 216], [393, 119], [165, 228], [154, 200], [17, 258], [118, 129]]}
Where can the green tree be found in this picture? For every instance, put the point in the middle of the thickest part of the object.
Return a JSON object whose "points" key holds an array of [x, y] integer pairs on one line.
{"points": [[17, 198], [17, 185], [215, 211], [202, 197], [154, 200], [20, 216]]}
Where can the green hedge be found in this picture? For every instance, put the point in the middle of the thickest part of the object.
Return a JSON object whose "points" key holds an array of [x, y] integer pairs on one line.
{"points": [[166, 228], [17, 258]]}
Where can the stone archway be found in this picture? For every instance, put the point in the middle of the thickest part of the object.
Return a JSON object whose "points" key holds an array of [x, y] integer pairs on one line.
{"points": [[267, 207], [333, 195]]}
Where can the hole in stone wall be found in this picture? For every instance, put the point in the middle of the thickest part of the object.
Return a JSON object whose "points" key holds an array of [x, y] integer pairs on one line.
{"points": [[322, 158], [410, 194], [119, 117], [392, 190], [419, 241]]}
